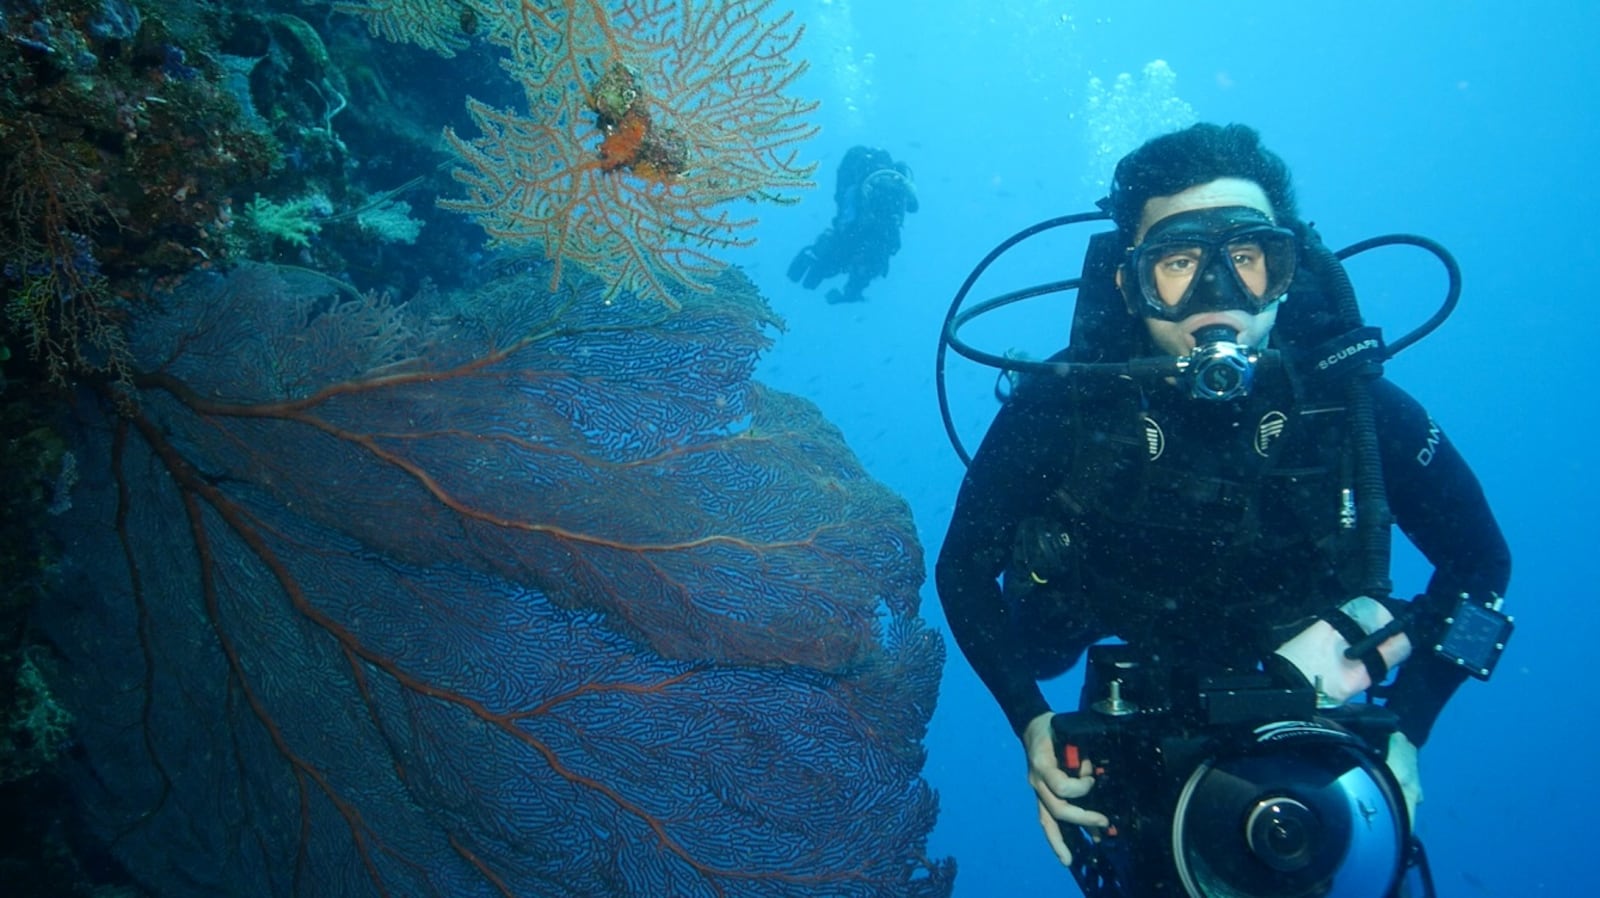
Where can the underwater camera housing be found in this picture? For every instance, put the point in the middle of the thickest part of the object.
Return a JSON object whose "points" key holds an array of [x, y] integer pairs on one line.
{"points": [[1230, 784]]}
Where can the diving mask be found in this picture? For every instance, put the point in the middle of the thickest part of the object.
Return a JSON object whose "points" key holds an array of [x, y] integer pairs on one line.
{"points": [[1209, 260]]}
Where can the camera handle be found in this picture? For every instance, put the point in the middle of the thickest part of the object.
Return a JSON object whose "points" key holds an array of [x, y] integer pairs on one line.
{"points": [[1100, 866]]}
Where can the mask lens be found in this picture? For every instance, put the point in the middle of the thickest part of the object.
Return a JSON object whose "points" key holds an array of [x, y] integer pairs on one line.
{"points": [[1263, 262], [1249, 263], [1168, 271]]}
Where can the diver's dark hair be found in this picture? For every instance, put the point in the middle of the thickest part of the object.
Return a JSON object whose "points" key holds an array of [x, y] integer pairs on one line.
{"points": [[1182, 159]]}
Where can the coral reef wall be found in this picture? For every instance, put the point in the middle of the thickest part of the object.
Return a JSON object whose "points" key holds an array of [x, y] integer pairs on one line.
{"points": [[511, 592]]}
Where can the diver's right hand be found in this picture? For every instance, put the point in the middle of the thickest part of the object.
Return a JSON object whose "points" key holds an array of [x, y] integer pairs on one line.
{"points": [[1054, 786]]}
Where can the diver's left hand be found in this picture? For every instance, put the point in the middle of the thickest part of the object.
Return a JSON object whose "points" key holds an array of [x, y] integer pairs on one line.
{"points": [[1402, 761], [1318, 652]]}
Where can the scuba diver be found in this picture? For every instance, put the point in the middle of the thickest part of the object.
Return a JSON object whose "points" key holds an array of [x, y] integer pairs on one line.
{"points": [[873, 193], [1218, 514]]}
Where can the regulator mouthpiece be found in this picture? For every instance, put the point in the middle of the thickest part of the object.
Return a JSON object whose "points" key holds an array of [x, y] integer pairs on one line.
{"points": [[1218, 368]]}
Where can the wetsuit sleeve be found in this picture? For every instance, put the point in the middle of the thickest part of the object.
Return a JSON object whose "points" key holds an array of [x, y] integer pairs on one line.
{"points": [[1439, 506], [1009, 479]]}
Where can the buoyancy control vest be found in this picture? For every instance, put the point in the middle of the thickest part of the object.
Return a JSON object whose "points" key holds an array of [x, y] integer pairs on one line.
{"points": [[1255, 496]]}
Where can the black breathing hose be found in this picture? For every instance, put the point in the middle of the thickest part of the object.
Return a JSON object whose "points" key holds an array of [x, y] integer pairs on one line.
{"points": [[1372, 502]]}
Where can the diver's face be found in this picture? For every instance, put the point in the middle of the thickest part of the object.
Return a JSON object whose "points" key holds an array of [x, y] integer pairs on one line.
{"points": [[1173, 275]]}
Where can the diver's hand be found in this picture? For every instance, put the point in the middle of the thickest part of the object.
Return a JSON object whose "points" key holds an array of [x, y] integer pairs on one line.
{"points": [[1052, 786], [1402, 761], [1318, 651]]}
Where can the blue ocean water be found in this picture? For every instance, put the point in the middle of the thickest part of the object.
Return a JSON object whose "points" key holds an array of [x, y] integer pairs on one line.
{"points": [[1470, 123]]}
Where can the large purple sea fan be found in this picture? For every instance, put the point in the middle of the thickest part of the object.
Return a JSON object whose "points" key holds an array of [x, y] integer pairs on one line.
{"points": [[522, 594]]}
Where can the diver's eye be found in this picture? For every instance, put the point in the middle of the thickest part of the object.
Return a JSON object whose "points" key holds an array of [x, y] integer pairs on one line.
{"points": [[1178, 263], [1250, 266], [1245, 255]]}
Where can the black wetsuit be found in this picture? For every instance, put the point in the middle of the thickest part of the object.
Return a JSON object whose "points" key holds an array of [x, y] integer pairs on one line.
{"points": [[1227, 583]]}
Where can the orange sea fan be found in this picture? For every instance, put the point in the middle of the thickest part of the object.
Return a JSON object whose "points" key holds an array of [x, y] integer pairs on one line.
{"points": [[631, 175]]}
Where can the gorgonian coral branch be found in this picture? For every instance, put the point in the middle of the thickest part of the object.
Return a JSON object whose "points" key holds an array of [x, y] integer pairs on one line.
{"points": [[646, 119]]}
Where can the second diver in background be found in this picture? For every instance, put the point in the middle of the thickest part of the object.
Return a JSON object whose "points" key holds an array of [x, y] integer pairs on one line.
{"points": [[873, 194]]}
